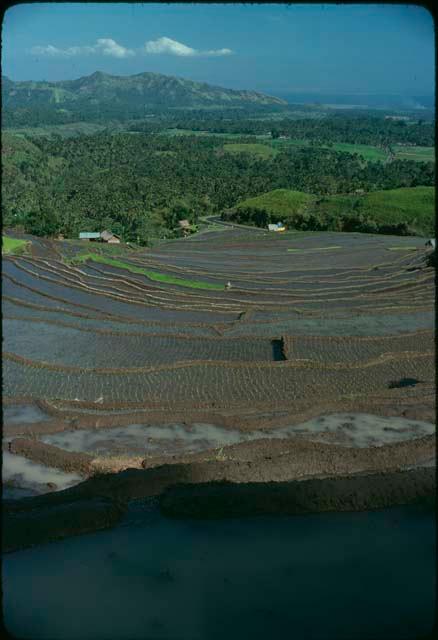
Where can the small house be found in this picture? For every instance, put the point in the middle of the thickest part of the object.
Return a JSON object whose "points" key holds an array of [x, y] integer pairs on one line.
{"points": [[185, 227], [278, 226], [110, 237]]}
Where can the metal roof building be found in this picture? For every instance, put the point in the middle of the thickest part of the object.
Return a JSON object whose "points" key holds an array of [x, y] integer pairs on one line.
{"points": [[104, 236], [89, 235]]}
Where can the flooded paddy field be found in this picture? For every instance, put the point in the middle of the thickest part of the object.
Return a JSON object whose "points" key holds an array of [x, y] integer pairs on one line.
{"points": [[122, 349], [82, 319], [357, 430], [316, 361], [364, 324]]}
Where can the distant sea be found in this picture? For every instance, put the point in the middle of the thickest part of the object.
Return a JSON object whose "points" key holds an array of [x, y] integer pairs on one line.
{"points": [[374, 101]]}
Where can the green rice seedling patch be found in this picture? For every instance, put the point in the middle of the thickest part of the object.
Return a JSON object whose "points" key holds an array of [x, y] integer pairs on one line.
{"points": [[314, 249], [13, 245], [402, 248], [152, 275]]}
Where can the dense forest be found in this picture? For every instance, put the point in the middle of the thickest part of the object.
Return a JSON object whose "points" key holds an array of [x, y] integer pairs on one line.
{"points": [[351, 128], [141, 184]]}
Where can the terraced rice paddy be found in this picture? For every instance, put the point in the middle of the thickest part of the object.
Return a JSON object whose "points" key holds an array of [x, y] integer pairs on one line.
{"points": [[93, 329], [314, 331]]}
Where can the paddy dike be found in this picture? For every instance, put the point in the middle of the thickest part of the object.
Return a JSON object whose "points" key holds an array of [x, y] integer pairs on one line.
{"points": [[360, 478], [316, 364]]}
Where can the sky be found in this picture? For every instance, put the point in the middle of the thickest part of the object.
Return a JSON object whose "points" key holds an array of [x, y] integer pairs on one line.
{"points": [[276, 48]]}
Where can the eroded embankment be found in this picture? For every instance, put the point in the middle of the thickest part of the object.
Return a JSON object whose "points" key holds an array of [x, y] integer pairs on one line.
{"points": [[356, 493], [40, 519], [50, 456], [33, 521]]}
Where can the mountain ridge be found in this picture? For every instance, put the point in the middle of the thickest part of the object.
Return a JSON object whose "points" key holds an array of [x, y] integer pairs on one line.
{"points": [[132, 91]]}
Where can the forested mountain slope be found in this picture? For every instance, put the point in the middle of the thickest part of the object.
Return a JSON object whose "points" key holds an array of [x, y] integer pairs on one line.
{"points": [[104, 95]]}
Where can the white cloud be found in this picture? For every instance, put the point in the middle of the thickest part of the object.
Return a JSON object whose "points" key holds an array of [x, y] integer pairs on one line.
{"points": [[103, 46], [166, 45], [109, 47], [175, 48]]}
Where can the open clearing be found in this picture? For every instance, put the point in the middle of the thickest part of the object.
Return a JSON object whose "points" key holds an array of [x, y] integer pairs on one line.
{"points": [[421, 154], [367, 152], [255, 149]]}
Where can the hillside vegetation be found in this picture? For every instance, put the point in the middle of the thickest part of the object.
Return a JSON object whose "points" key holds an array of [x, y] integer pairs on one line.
{"points": [[405, 211], [141, 184]]}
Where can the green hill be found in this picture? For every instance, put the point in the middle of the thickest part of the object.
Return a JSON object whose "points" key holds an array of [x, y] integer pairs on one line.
{"points": [[405, 211], [281, 202]]}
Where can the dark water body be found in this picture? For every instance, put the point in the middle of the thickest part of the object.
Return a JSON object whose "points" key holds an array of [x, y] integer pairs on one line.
{"points": [[351, 576], [403, 382], [277, 350]]}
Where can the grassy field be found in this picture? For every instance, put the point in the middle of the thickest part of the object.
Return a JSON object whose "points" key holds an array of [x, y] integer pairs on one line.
{"points": [[281, 202], [13, 245], [292, 142], [152, 275], [367, 152], [414, 206], [191, 132], [371, 154], [255, 149], [421, 154], [230, 136]]}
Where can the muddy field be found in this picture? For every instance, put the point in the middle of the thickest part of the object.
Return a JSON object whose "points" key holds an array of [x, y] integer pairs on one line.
{"points": [[316, 361]]}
